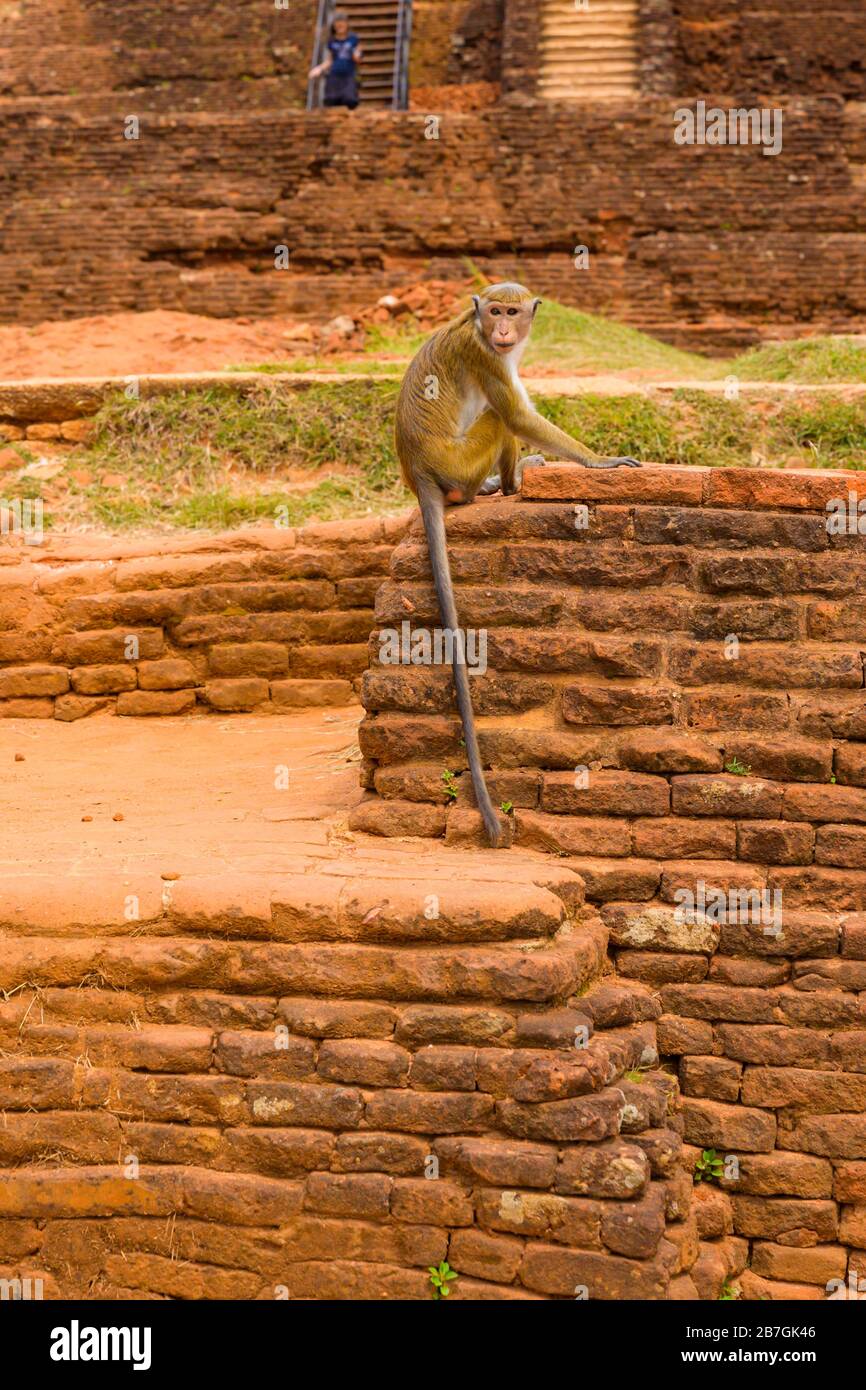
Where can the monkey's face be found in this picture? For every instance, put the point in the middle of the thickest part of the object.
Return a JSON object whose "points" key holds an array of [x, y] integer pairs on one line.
{"points": [[505, 326]]}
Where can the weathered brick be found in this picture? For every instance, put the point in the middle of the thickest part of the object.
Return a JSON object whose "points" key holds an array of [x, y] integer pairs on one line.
{"points": [[497, 1161], [605, 793], [429, 1112], [444, 1069], [432, 1202], [104, 680], [712, 1078], [817, 1265], [683, 1036], [617, 705], [363, 1062], [349, 1194], [789, 1221], [726, 795], [775, 842], [27, 682], [486, 1257], [337, 1018], [734, 1128]]}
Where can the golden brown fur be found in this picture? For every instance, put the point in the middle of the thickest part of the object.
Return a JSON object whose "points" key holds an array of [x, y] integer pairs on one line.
{"points": [[461, 415]]}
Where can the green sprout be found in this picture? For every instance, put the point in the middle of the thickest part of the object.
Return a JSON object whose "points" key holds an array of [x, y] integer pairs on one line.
{"points": [[738, 768], [450, 784], [709, 1167], [440, 1278]]}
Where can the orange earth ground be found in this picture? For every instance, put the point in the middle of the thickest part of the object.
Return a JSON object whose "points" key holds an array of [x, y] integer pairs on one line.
{"points": [[138, 344], [162, 340]]}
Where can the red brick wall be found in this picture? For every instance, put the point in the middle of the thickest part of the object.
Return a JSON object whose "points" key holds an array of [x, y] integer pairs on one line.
{"points": [[264, 619], [211, 55], [240, 54], [704, 245], [327, 1099], [631, 737], [780, 48]]}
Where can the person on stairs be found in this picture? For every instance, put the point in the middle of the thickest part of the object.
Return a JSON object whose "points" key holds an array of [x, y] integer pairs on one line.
{"points": [[340, 66]]}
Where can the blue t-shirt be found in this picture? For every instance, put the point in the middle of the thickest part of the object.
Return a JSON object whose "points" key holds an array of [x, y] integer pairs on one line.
{"points": [[342, 53]]}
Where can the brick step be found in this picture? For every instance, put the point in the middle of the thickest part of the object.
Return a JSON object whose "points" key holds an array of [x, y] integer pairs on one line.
{"points": [[317, 1238], [283, 1088], [540, 973]]}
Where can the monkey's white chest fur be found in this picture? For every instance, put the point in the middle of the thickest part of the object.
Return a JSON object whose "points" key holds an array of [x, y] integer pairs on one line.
{"points": [[473, 405]]}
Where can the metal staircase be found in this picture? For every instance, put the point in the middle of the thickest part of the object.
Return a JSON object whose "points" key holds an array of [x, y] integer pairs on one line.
{"points": [[385, 30], [588, 54]]}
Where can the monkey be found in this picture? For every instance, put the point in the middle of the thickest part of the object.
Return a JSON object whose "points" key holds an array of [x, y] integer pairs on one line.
{"points": [[461, 414]]}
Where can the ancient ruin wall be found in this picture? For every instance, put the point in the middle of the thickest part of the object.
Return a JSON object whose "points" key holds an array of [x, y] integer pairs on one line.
{"points": [[266, 619], [702, 245], [210, 55], [323, 1100], [778, 49], [781, 47], [674, 703]]}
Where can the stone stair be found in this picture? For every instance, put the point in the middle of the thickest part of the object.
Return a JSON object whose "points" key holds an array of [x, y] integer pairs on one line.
{"points": [[588, 55], [380, 1068]]}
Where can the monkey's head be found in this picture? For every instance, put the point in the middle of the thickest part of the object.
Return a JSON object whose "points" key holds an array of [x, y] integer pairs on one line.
{"points": [[503, 315]]}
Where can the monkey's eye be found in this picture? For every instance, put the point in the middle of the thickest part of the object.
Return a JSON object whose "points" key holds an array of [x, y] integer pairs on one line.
{"points": [[512, 313], [494, 313]]}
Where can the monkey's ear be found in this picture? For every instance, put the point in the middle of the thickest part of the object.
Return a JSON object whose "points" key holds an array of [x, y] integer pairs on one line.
{"points": [[535, 304], [476, 300]]}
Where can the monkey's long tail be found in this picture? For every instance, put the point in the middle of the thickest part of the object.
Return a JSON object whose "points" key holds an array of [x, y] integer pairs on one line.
{"points": [[433, 514]]}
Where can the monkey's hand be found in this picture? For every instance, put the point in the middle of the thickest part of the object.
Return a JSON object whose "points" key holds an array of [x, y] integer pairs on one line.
{"points": [[611, 463]]}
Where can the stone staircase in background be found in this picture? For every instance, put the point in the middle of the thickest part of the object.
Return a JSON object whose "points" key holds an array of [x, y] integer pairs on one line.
{"points": [[588, 54]]}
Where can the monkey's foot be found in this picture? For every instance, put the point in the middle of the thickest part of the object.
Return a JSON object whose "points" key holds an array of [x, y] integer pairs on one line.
{"points": [[489, 486]]}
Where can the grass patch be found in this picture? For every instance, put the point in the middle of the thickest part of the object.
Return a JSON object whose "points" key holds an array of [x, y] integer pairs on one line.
{"points": [[569, 340], [812, 360], [692, 427], [337, 366], [832, 431], [582, 342], [216, 458], [630, 425]]}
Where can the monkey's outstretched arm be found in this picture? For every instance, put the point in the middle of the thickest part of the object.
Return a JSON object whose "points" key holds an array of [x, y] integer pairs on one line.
{"points": [[432, 506], [524, 421]]}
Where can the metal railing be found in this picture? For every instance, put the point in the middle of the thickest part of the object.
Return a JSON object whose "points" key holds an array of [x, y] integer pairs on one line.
{"points": [[402, 45], [316, 85]]}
